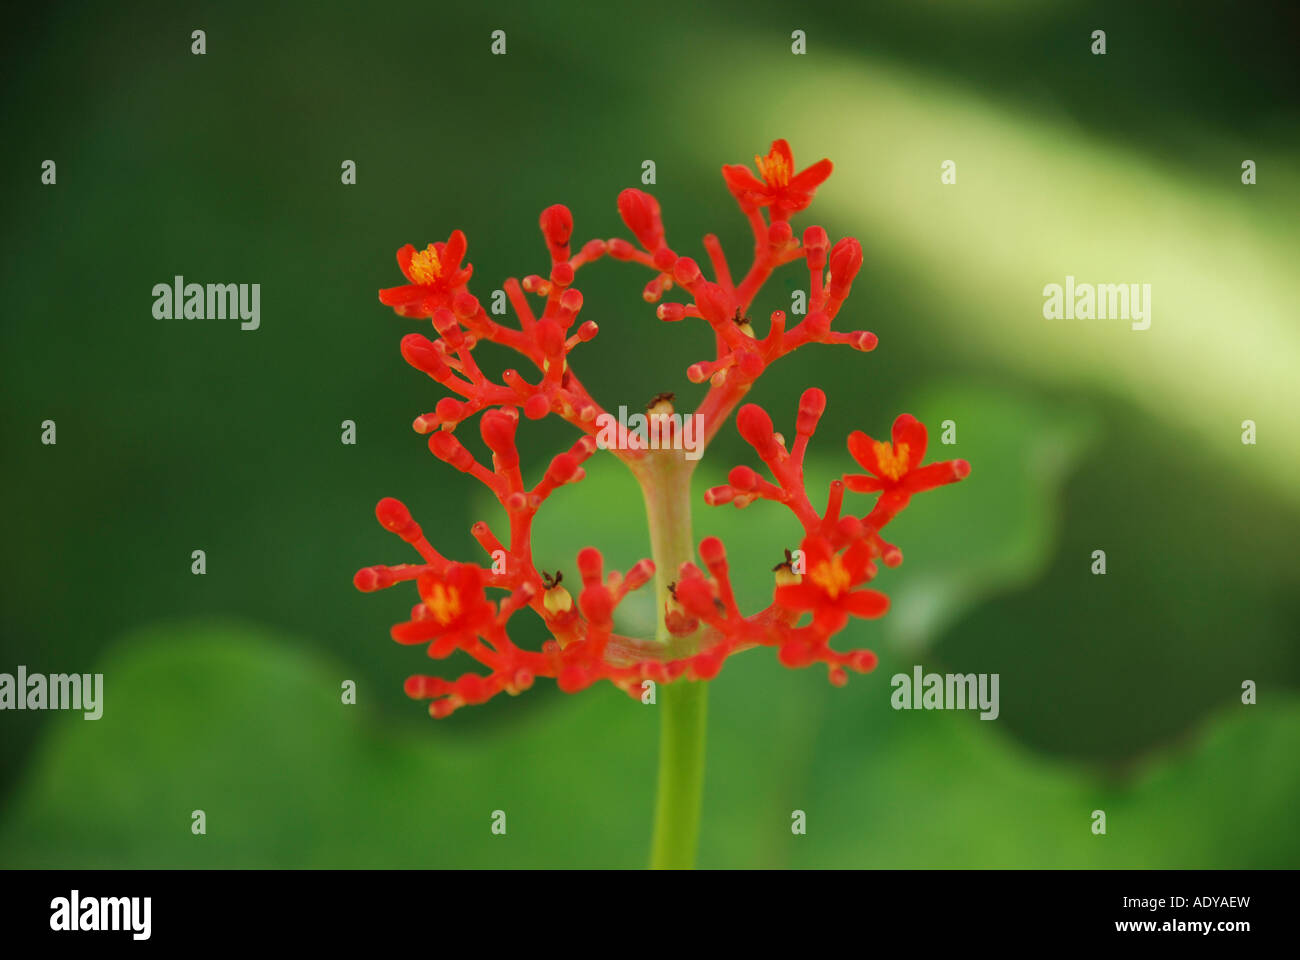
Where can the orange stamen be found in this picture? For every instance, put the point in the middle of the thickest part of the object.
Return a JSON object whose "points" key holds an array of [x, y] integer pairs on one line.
{"points": [[425, 268], [831, 576], [444, 602], [774, 169], [892, 461]]}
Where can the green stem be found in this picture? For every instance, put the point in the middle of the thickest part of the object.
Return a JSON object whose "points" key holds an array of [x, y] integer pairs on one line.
{"points": [[666, 483], [683, 714]]}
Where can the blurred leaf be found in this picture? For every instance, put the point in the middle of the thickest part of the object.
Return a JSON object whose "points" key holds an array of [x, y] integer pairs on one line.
{"points": [[993, 530], [906, 789], [1041, 198], [234, 722]]}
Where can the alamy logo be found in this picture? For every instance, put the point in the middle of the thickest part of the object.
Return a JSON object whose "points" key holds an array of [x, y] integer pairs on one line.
{"points": [[953, 691], [1098, 301], [213, 301], [74, 913], [58, 691], [659, 428]]}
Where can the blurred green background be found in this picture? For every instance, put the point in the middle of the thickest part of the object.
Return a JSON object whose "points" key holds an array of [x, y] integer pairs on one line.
{"points": [[1119, 692]]}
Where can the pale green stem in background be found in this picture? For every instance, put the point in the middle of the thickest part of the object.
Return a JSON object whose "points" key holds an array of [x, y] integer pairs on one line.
{"points": [[666, 483]]}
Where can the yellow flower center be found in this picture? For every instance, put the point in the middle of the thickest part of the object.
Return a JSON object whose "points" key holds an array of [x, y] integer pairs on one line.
{"points": [[444, 602], [831, 576], [425, 268], [774, 170], [892, 461]]}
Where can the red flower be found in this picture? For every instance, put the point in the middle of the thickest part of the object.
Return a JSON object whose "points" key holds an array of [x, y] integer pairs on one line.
{"points": [[435, 274], [895, 467], [782, 189], [703, 626], [826, 585], [454, 610]]}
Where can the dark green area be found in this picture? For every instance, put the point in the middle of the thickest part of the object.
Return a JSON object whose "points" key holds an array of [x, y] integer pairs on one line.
{"points": [[1119, 692]]}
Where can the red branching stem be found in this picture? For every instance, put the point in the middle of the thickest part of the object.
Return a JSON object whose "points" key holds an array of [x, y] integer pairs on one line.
{"points": [[819, 587]]}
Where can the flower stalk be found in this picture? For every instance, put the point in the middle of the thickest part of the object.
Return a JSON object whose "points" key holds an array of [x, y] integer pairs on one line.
{"points": [[683, 721], [665, 478]]}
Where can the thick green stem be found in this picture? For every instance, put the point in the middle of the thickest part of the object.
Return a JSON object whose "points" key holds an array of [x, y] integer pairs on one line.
{"points": [[682, 723], [666, 482]]}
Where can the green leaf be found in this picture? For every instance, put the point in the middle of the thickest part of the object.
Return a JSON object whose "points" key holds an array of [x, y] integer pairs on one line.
{"points": [[251, 729], [995, 529]]}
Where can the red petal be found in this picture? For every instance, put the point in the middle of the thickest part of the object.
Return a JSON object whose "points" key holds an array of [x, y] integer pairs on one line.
{"points": [[857, 560], [741, 179], [782, 147], [863, 449], [809, 180], [461, 277], [402, 296], [816, 550], [404, 256], [859, 483], [866, 603], [909, 430], [415, 631], [936, 475], [799, 596], [454, 251], [831, 620]]}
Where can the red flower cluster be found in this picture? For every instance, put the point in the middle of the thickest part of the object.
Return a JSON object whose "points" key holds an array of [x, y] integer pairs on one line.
{"points": [[822, 584]]}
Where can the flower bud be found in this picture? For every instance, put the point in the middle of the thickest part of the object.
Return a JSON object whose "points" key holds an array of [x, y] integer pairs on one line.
{"points": [[786, 577], [557, 227], [755, 427], [640, 574], [811, 407], [714, 304], [498, 431], [714, 555], [686, 271], [449, 450], [570, 300], [557, 601], [449, 410], [369, 579], [640, 212], [394, 517], [465, 305], [562, 274], [815, 245], [863, 340], [846, 261], [550, 337], [716, 496], [537, 406], [591, 565], [420, 353], [780, 234], [743, 478]]}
